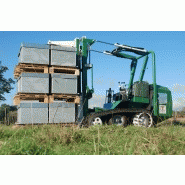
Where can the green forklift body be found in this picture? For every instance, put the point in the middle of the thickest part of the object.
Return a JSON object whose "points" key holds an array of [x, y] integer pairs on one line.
{"points": [[162, 98], [140, 100]]}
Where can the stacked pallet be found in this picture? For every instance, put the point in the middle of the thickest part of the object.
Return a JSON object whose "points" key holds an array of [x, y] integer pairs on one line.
{"points": [[46, 84]]}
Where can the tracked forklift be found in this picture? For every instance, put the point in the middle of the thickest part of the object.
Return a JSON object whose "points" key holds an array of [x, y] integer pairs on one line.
{"points": [[139, 103]]}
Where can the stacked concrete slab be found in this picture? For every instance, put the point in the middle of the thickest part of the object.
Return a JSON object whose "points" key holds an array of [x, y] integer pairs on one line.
{"points": [[63, 56], [33, 83], [64, 83], [34, 53], [46, 70], [32, 112], [61, 112]]}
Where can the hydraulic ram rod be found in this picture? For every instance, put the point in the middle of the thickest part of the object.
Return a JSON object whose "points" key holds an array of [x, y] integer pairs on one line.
{"points": [[136, 50]]}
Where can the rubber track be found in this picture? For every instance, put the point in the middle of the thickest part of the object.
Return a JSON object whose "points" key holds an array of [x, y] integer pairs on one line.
{"points": [[93, 115]]}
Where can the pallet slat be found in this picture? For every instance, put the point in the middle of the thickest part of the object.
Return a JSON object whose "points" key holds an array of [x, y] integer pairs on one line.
{"points": [[66, 70], [30, 68], [44, 98], [39, 68], [20, 97], [67, 98]]}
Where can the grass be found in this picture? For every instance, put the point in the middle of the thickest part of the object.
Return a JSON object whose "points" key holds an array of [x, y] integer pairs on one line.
{"points": [[165, 139]]}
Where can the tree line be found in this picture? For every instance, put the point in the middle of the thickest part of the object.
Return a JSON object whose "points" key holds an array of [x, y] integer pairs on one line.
{"points": [[7, 112], [180, 113]]}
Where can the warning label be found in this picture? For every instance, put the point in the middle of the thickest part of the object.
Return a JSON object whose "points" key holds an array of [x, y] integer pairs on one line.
{"points": [[162, 109]]}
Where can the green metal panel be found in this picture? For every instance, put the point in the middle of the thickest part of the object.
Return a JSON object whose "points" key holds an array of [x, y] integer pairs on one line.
{"points": [[99, 109], [169, 111], [123, 55], [85, 44], [140, 100], [115, 104]]}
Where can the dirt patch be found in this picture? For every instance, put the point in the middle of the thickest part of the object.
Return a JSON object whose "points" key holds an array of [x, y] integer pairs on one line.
{"points": [[1, 143], [177, 119], [180, 119], [17, 126]]}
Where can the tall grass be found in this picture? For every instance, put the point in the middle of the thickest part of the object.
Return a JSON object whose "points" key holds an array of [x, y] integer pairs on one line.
{"points": [[103, 140]]}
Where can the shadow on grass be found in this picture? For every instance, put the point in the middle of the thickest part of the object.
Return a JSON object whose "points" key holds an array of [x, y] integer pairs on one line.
{"points": [[170, 123], [178, 123]]}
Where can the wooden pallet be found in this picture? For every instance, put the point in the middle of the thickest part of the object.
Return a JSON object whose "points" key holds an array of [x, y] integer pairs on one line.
{"points": [[30, 68], [43, 98], [67, 97], [65, 124], [62, 69], [39, 68]]}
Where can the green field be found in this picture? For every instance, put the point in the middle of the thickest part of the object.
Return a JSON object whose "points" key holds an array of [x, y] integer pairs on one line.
{"points": [[166, 138]]}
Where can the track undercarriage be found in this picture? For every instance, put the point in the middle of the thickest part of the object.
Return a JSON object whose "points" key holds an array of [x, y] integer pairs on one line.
{"points": [[121, 116]]}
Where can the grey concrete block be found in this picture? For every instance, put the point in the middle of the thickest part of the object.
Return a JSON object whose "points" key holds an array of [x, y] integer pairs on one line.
{"points": [[63, 56], [33, 83], [61, 112], [32, 112], [34, 53], [64, 83]]}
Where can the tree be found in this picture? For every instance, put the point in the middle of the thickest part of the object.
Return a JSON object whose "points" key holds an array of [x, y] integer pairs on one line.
{"points": [[2, 111], [5, 84], [9, 110]]}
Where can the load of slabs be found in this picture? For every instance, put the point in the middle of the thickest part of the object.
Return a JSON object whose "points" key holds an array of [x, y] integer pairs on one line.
{"points": [[47, 78]]}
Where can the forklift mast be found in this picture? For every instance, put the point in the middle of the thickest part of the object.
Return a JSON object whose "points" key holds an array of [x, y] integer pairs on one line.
{"points": [[82, 48]]}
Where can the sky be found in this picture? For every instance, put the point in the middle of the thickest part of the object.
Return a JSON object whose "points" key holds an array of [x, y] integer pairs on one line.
{"points": [[108, 70]]}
